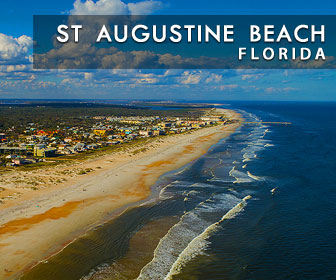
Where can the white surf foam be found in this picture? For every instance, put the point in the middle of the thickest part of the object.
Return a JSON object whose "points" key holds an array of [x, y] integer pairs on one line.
{"points": [[240, 177], [268, 145], [257, 178], [177, 187], [181, 234], [198, 245]]}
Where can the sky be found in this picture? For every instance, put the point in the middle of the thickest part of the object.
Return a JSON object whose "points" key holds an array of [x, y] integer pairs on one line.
{"points": [[19, 80]]}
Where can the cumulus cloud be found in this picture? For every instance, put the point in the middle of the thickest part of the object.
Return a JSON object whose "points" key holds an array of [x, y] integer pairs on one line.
{"points": [[190, 78], [144, 8], [214, 78], [15, 50], [147, 80], [252, 76], [114, 7], [329, 62]]}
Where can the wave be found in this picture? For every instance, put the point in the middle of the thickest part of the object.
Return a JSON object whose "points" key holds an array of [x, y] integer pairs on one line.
{"points": [[268, 145], [188, 195], [220, 180], [257, 178], [165, 194], [247, 159], [240, 177], [178, 187], [251, 150], [199, 244], [191, 224], [265, 132]]}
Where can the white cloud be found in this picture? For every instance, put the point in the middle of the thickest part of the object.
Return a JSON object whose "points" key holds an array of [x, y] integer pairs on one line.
{"points": [[15, 50], [228, 87], [252, 76], [144, 8], [190, 78], [114, 7], [214, 78], [279, 89], [46, 84], [147, 81]]}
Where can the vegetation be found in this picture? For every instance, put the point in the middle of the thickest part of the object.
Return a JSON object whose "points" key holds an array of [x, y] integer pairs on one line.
{"points": [[51, 116]]}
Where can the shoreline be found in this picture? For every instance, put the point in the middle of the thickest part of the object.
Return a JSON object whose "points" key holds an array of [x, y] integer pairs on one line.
{"points": [[43, 226]]}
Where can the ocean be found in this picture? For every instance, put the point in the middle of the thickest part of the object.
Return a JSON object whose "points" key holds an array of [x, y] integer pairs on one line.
{"points": [[259, 205]]}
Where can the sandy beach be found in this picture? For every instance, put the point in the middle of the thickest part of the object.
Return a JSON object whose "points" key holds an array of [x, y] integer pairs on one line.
{"points": [[37, 223]]}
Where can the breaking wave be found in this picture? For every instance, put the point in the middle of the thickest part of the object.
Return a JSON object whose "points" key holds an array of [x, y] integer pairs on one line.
{"points": [[177, 239], [241, 177], [199, 243], [257, 178], [268, 145]]}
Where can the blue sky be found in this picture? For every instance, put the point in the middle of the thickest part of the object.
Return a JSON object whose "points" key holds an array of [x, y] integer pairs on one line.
{"points": [[19, 80]]}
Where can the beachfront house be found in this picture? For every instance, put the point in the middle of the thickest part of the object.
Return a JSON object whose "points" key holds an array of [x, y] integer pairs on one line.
{"points": [[145, 133], [44, 152]]}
